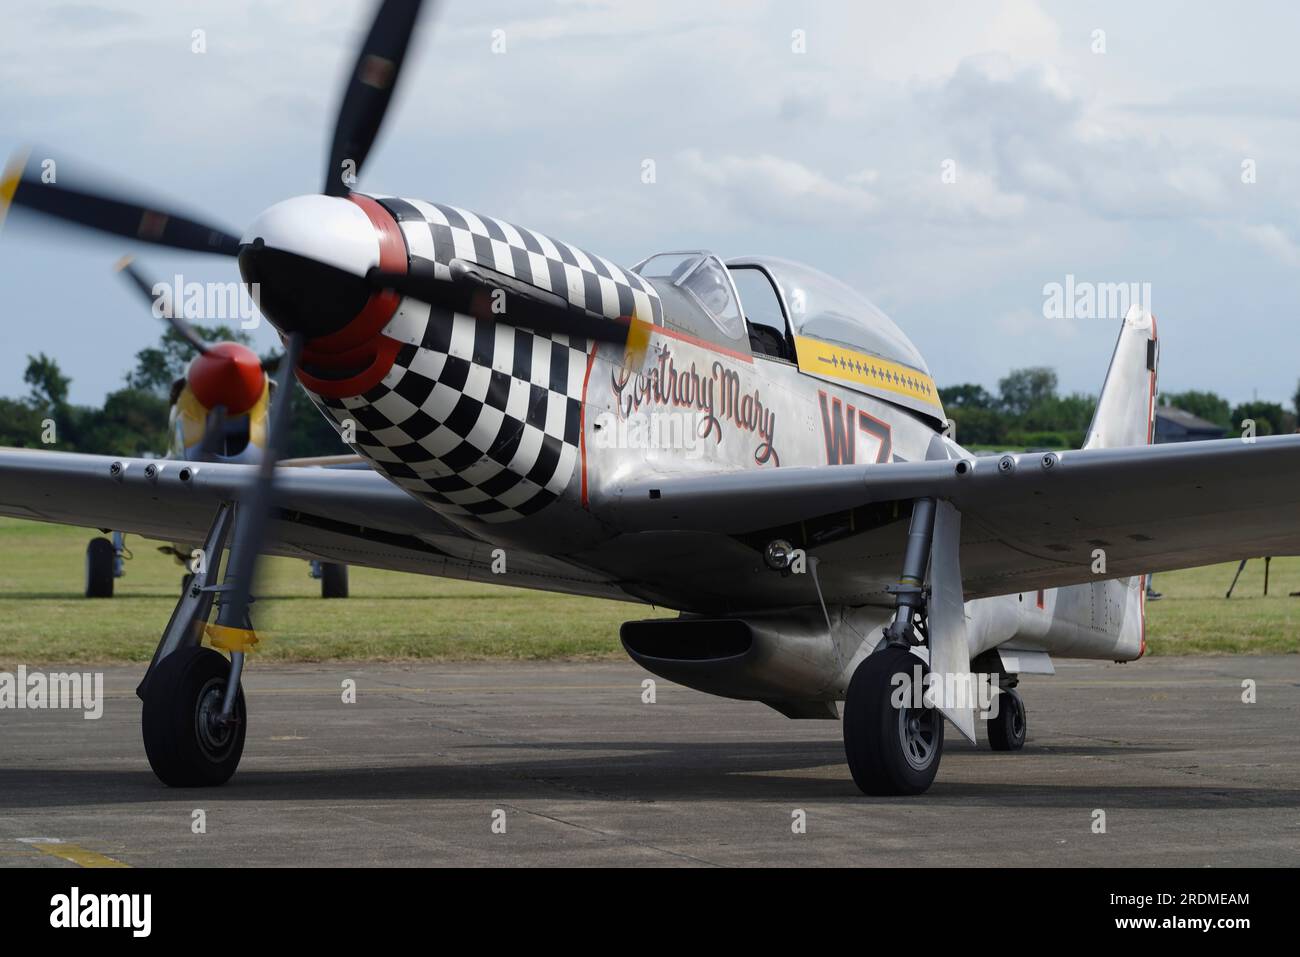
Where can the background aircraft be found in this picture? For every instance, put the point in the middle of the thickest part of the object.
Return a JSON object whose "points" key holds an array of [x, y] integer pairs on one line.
{"points": [[823, 538], [217, 413]]}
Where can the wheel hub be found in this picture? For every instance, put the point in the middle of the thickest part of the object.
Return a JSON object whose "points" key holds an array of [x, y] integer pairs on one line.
{"points": [[215, 731], [916, 731], [1017, 721]]}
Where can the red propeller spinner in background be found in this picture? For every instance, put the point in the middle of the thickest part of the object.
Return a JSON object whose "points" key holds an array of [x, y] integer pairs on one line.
{"points": [[228, 375]]}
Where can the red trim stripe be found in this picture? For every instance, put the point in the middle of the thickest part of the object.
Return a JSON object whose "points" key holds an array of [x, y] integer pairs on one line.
{"points": [[384, 353], [360, 342], [582, 421], [702, 343], [1142, 607], [1151, 401]]}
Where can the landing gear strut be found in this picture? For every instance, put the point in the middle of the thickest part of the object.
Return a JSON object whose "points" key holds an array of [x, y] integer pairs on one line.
{"points": [[893, 742], [194, 717]]}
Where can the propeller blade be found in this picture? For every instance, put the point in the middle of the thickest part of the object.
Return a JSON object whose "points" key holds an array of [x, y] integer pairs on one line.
{"points": [[253, 510], [214, 435], [368, 91], [493, 296], [116, 215], [183, 329]]}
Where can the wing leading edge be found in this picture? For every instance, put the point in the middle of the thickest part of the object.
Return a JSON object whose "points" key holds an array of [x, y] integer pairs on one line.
{"points": [[348, 515], [1030, 520]]}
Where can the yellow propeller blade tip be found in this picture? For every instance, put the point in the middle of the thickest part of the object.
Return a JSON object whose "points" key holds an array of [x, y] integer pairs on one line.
{"points": [[10, 179], [638, 341], [123, 263]]}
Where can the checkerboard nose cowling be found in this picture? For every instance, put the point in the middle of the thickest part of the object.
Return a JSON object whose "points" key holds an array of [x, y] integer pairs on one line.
{"points": [[479, 419]]}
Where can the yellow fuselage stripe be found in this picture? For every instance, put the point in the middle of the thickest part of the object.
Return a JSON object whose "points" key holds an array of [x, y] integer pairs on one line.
{"points": [[862, 368]]}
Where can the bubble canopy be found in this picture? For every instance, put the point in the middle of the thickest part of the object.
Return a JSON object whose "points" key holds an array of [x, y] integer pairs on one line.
{"points": [[695, 285], [700, 297], [821, 307]]}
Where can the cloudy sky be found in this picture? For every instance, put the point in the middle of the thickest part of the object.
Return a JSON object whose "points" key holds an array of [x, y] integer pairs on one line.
{"points": [[1109, 142]]}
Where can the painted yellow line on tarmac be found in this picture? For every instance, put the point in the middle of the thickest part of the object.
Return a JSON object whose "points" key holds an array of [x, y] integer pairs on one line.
{"points": [[76, 855]]}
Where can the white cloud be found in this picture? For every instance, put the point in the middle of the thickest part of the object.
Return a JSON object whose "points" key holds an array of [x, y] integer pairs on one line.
{"points": [[766, 186], [1026, 323], [832, 156], [1275, 241], [1025, 127]]}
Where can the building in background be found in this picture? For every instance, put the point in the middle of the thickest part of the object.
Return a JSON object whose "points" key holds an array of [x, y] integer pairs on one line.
{"points": [[1175, 425]]}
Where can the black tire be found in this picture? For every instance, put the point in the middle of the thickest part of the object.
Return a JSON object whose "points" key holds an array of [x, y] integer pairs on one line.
{"points": [[887, 754], [1006, 731], [183, 749], [333, 580], [100, 559]]}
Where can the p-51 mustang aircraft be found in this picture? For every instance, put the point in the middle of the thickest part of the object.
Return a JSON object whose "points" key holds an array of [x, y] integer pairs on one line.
{"points": [[822, 538], [217, 412]]}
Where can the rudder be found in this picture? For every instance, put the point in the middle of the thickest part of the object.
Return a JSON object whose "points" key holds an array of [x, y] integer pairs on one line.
{"points": [[1125, 414]]}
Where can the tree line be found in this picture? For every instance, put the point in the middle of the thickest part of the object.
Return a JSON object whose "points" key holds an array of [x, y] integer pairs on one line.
{"points": [[133, 419], [1029, 412], [1026, 412]]}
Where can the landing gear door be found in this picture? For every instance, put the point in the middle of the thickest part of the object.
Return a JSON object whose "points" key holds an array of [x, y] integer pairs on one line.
{"points": [[949, 651]]}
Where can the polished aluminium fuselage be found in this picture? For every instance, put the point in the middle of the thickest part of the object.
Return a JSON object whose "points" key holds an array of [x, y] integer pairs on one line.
{"points": [[528, 441]]}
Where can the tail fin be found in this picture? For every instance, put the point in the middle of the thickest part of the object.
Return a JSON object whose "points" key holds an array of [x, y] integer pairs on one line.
{"points": [[1126, 408], [1125, 416]]}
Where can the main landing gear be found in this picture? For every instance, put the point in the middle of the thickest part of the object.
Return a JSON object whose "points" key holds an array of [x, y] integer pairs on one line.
{"points": [[891, 749], [194, 717], [189, 740], [892, 741]]}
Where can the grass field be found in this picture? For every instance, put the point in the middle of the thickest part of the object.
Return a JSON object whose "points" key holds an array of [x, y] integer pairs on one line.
{"points": [[43, 617]]}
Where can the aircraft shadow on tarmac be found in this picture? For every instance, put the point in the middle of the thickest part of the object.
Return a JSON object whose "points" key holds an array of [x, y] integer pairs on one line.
{"points": [[644, 771]]}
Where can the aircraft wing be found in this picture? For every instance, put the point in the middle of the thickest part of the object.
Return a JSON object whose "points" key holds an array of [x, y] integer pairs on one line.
{"points": [[336, 514], [1143, 509], [1147, 509]]}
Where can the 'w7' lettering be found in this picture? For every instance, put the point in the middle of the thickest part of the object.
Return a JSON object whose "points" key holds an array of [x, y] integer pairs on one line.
{"points": [[841, 424]]}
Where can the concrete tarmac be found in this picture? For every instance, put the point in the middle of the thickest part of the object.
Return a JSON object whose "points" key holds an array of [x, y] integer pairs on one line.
{"points": [[582, 772]]}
